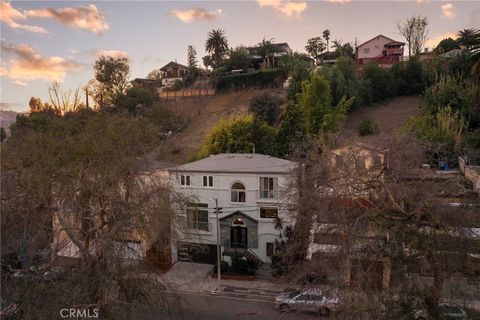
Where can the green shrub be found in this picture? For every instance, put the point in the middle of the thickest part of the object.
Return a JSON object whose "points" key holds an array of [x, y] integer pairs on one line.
{"points": [[265, 107], [343, 81], [223, 267], [258, 78], [243, 265], [134, 97], [454, 91], [367, 127], [238, 135], [409, 77], [379, 83]]}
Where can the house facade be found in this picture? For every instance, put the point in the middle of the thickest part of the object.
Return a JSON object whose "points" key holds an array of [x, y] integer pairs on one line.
{"points": [[381, 49], [250, 193], [172, 72]]}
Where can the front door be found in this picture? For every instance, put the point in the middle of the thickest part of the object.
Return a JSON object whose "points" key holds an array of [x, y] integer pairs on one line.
{"points": [[238, 237]]}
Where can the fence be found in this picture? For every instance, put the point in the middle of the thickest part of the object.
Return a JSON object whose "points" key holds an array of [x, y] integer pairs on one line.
{"points": [[167, 95]]}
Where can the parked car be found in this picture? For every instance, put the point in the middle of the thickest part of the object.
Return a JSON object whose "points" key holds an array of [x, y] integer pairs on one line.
{"points": [[311, 300], [445, 311]]}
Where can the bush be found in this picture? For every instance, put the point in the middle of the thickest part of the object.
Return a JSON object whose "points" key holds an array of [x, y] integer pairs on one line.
{"points": [[454, 91], [243, 265], [239, 135], [134, 97], [380, 83], [367, 127], [265, 107], [223, 267], [409, 77], [343, 81], [258, 78]]}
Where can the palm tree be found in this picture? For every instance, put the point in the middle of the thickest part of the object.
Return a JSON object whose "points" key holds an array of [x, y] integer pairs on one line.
{"points": [[468, 37], [267, 50], [217, 46], [326, 36]]}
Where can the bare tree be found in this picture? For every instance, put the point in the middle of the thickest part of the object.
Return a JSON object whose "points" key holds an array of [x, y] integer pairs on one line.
{"points": [[381, 230], [78, 181], [415, 32]]}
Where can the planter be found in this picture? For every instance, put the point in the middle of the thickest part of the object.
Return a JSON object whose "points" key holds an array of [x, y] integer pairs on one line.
{"points": [[239, 277]]}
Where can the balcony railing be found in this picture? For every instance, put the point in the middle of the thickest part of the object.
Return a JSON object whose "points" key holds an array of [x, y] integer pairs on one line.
{"points": [[267, 194], [198, 225]]}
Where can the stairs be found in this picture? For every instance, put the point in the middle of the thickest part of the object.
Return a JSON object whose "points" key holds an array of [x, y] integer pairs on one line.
{"points": [[243, 252], [264, 272]]}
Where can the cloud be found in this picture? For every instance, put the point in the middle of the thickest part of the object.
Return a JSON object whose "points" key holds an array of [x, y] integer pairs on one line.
{"points": [[116, 54], [340, 1], [448, 11], [195, 14], [3, 71], [27, 64], [83, 17], [20, 83], [433, 42], [287, 8], [11, 17]]}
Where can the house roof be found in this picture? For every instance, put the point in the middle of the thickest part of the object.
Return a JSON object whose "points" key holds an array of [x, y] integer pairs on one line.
{"points": [[239, 163], [380, 35], [171, 63]]}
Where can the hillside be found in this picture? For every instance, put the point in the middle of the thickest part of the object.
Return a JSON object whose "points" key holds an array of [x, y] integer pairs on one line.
{"points": [[203, 114], [390, 117]]}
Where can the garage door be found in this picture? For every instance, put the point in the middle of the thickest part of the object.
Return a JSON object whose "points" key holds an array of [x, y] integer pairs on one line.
{"points": [[197, 252]]}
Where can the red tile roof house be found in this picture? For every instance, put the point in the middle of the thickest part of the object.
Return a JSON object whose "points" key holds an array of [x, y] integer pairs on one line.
{"points": [[380, 49]]}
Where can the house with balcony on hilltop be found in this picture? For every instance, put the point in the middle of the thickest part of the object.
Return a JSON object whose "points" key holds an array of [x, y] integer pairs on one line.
{"points": [[250, 193], [172, 72], [381, 49]]}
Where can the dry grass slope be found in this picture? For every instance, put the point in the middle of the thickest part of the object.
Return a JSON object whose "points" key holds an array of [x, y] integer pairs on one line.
{"points": [[203, 114], [390, 117]]}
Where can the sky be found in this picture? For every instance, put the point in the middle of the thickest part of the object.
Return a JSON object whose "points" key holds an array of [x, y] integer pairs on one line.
{"points": [[45, 41]]}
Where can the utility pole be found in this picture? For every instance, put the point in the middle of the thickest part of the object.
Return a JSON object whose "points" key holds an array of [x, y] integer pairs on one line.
{"points": [[219, 253]]}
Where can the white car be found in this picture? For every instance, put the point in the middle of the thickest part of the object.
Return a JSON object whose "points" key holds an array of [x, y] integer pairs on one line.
{"points": [[312, 300]]}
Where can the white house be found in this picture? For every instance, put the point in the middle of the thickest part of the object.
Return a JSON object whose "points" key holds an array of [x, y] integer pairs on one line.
{"points": [[251, 194], [381, 49]]}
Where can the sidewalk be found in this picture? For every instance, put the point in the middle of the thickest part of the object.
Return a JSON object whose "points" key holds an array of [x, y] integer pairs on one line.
{"points": [[195, 278]]}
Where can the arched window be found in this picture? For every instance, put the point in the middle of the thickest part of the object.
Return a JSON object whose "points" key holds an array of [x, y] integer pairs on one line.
{"points": [[238, 222], [238, 192]]}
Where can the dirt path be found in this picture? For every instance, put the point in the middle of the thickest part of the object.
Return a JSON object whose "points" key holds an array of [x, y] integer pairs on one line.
{"points": [[390, 117]]}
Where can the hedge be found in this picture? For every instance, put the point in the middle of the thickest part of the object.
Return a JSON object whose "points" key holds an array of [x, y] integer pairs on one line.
{"points": [[258, 78]]}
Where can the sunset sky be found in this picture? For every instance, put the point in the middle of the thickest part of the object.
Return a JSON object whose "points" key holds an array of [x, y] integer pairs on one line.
{"points": [[43, 41]]}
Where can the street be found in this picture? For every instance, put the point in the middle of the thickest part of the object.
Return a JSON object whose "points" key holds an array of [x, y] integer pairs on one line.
{"points": [[199, 306]]}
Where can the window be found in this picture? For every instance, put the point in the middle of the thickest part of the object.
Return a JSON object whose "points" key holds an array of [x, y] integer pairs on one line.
{"points": [[208, 181], [268, 187], [366, 50], [184, 180], [197, 216], [238, 192], [270, 213], [269, 249]]}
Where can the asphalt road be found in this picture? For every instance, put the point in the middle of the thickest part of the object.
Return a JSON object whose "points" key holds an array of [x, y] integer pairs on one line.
{"points": [[209, 307]]}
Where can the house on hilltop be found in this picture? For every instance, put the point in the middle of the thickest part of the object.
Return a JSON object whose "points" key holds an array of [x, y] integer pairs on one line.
{"points": [[172, 72], [250, 191], [381, 49], [277, 50]]}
